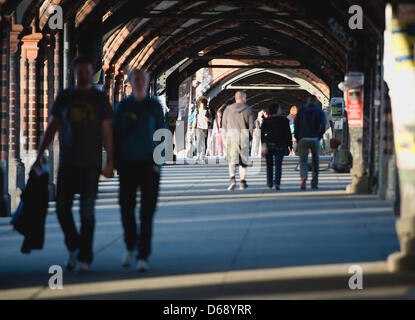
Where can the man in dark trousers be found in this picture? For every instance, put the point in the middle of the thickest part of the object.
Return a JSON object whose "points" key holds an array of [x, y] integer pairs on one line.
{"points": [[83, 116], [137, 118], [276, 135], [310, 125]]}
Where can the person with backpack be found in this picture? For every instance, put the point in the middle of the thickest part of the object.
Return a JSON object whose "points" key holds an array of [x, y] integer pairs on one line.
{"points": [[137, 118], [309, 127], [276, 136]]}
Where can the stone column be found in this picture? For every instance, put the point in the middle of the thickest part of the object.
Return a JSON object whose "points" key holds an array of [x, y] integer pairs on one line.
{"points": [[399, 65], [353, 87]]}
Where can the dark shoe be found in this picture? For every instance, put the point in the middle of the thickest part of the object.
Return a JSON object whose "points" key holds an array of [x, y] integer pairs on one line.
{"points": [[243, 185], [314, 187], [277, 187], [303, 185], [70, 263]]}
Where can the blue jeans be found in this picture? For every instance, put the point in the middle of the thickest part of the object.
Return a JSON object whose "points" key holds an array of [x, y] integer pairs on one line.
{"points": [[84, 181], [303, 148], [274, 156]]}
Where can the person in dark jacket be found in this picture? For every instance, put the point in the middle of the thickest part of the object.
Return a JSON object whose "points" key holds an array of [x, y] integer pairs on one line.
{"points": [[309, 125], [136, 120], [276, 135]]}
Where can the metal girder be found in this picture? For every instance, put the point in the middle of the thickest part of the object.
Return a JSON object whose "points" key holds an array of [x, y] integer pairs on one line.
{"points": [[257, 87], [243, 57], [221, 16]]}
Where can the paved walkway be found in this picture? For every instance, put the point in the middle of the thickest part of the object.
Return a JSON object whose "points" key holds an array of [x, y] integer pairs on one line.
{"points": [[210, 243]]}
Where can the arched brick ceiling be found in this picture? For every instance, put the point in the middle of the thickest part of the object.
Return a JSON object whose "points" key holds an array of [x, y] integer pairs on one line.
{"points": [[158, 34]]}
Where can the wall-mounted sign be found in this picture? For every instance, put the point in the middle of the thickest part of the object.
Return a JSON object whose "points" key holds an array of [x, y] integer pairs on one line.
{"points": [[337, 108], [354, 107]]}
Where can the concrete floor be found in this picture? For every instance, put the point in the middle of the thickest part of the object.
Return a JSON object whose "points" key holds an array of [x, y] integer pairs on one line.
{"points": [[213, 244]]}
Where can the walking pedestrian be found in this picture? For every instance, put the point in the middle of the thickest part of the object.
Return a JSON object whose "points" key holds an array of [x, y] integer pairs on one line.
{"points": [[202, 123], [83, 116], [276, 135], [238, 123], [310, 125], [291, 118], [217, 129], [136, 120], [256, 140]]}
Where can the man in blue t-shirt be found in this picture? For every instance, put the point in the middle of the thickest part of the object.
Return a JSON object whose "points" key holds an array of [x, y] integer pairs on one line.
{"points": [[136, 120]]}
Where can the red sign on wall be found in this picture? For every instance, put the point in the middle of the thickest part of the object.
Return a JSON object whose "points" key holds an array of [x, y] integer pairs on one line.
{"points": [[354, 105]]}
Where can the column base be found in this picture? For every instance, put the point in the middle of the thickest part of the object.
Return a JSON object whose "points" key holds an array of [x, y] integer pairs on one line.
{"points": [[359, 187], [401, 262]]}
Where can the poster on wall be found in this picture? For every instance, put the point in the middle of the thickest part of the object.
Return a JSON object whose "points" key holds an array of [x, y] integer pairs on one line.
{"points": [[337, 108], [354, 107]]}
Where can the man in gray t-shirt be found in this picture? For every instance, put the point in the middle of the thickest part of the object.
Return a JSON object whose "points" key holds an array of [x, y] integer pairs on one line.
{"points": [[238, 124], [83, 117]]}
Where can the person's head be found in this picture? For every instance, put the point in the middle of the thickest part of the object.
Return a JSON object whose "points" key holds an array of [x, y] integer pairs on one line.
{"points": [[313, 99], [293, 111], [139, 80], [240, 97], [274, 109], [260, 115], [202, 101], [83, 71]]}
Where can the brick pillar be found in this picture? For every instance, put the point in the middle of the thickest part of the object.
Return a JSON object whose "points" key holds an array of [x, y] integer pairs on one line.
{"points": [[29, 54], [16, 177], [4, 114]]}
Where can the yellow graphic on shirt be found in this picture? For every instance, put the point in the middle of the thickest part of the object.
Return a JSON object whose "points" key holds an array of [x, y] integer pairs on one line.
{"points": [[80, 111]]}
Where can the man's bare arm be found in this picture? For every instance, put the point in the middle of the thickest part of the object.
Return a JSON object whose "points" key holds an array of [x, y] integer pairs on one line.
{"points": [[47, 138]]}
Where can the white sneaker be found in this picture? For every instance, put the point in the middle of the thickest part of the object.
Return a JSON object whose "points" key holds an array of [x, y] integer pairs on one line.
{"points": [[127, 258], [232, 186], [142, 266], [70, 263], [83, 267]]}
